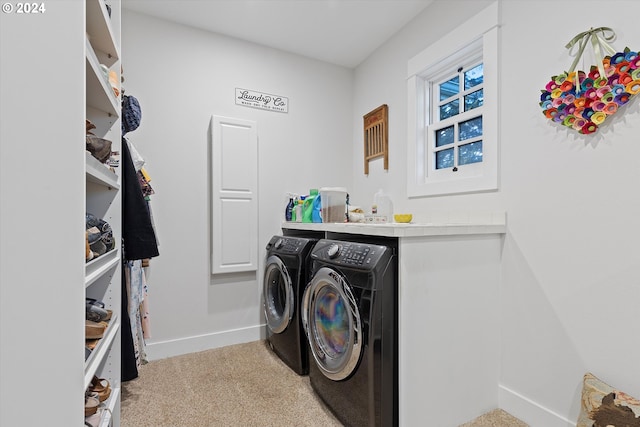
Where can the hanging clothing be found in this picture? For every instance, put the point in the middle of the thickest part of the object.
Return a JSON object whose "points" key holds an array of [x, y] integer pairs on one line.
{"points": [[144, 307], [129, 367], [138, 235], [135, 284]]}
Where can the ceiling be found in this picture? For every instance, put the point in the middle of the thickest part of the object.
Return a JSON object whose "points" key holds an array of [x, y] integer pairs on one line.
{"points": [[342, 32]]}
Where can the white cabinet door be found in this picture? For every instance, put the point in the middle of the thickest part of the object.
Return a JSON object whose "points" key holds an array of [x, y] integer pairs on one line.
{"points": [[234, 194]]}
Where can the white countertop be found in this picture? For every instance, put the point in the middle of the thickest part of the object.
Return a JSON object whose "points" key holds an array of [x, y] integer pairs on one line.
{"points": [[444, 225]]}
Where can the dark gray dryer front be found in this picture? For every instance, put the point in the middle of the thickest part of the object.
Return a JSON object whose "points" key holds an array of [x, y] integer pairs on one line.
{"points": [[286, 274], [349, 313]]}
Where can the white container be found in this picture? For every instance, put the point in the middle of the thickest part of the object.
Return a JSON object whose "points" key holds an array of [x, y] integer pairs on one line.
{"points": [[334, 204], [382, 206]]}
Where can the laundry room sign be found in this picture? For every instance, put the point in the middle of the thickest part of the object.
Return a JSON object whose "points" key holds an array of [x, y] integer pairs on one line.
{"points": [[264, 101]]}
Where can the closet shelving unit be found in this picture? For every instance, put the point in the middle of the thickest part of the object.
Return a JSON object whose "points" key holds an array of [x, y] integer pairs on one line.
{"points": [[102, 193]]}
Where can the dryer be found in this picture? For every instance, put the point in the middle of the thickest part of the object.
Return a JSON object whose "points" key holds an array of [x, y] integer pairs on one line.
{"points": [[286, 274], [349, 314]]}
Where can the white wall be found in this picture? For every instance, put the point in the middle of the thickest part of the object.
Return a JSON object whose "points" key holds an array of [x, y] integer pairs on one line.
{"points": [[41, 242], [182, 76], [570, 290]]}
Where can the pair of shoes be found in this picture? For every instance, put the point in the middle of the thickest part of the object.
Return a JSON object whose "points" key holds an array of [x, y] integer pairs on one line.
{"points": [[99, 235], [93, 221], [96, 312], [101, 387], [91, 404], [94, 330]]}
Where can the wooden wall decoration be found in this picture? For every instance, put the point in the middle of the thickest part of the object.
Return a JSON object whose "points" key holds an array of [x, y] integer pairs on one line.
{"points": [[376, 137]]}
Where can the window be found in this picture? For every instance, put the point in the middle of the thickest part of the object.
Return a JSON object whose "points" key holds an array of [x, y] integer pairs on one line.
{"points": [[453, 143], [455, 118]]}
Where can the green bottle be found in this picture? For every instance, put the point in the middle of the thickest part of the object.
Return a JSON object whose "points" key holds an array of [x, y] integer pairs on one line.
{"points": [[307, 205]]}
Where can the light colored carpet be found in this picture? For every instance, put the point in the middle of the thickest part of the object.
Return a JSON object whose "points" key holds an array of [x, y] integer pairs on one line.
{"points": [[240, 385]]}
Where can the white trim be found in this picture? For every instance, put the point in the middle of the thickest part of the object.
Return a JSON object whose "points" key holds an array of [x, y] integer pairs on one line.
{"points": [[529, 411], [163, 349], [455, 40]]}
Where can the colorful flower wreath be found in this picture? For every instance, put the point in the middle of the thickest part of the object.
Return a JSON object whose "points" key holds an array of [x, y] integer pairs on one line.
{"points": [[584, 101]]}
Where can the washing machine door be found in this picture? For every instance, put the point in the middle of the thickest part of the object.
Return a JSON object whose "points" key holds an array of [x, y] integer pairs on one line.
{"points": [[331, 320], [279, 298]]}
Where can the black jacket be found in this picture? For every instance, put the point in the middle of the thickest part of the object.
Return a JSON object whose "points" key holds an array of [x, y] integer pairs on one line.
{"points": [[138, 237]]}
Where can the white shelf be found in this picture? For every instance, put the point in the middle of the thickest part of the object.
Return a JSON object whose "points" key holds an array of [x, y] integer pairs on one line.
{"points": [[97, 267], [102, 192], [99, 92], [100, 31], [100, 351], [100, 174], [110, 404]]}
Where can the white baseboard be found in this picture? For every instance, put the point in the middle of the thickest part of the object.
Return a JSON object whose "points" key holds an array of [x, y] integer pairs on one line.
{"points": [[529, 411], [163, 349]]}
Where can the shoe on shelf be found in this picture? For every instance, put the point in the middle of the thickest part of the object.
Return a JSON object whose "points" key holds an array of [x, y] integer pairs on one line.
{"points": [[94, 303], [100, 386], [99, 148], [93, 221], [88, 252], [94, 330], [91, 404], [100, 234], [91, 344], [96, 244], [96, 313], [90, 126]]}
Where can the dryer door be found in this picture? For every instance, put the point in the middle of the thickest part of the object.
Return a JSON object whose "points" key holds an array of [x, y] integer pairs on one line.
{"points": [[278, 293], [332, 322]]}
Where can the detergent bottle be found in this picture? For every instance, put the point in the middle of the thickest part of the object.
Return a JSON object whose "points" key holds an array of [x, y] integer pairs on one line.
{"points": [[316, 212], [307, 206]]}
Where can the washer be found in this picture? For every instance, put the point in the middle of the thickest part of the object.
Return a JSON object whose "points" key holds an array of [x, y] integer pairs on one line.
{"points": [[286, 274], [349, 313]]}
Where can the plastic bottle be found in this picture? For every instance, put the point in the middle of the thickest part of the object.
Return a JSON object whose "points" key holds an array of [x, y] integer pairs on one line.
{"points": [[293, 210], [383, 206], [316, 212], [298, 209], [307, 206], [288, 212]]}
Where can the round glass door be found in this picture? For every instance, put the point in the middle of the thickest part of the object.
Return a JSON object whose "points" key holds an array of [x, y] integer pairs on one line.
{"points": [[278, 295], [332, 323]]}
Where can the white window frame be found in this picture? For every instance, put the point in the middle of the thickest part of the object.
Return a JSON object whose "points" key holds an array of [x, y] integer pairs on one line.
{"points": [[477, 35]]}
